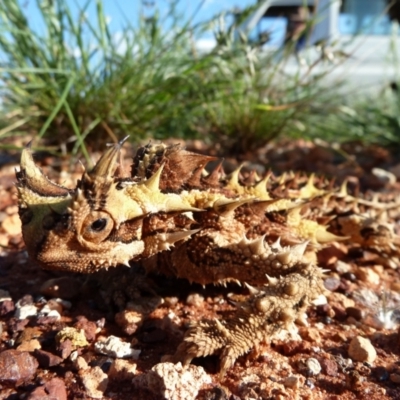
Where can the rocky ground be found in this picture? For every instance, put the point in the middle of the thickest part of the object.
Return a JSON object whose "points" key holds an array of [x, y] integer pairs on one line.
{"points": [[60, 339]]}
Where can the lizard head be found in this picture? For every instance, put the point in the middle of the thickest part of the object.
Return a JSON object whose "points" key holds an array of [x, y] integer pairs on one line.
{"points": [[99, 223]]}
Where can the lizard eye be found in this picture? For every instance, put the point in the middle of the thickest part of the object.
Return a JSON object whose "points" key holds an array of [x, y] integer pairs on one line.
{"points": [[97, 226]]}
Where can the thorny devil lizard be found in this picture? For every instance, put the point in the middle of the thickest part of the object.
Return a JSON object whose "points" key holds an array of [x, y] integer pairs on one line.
{"points": [[179, 220]]}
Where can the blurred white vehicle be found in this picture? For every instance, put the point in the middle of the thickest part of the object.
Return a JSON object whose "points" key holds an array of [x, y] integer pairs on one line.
{"points": [[356, 39]]}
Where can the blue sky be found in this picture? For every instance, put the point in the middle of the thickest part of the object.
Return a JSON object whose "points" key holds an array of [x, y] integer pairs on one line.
{"points": [[208, 8], [119, 12]]}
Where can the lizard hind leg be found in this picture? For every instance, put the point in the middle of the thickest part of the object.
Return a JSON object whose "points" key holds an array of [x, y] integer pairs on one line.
{"points": [[272, 308]]}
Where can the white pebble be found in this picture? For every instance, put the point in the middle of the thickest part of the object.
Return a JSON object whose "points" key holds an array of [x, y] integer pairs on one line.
{"points": [[28, 310], [74, 355], [54, 314], [113, 346], [310, 366], [314, 367], [49, 312]]}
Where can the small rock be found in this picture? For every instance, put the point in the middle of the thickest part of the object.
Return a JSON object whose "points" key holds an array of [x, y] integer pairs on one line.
{"points": [[292, 347], [355, 312], [53, 389], [368, 275], [310, 334], [77, 337], [331, 254], [325, 310], [95, 382], [248, 379], [129, 321], [53, 304], [122, 370], [293, 381], [74, 355], [310, 384], [48, 312], [352, 321], [332, 284], [6, 306], [25, 311], [344, 364], [30, 333], [89, 327], [342, 267], [49, 319], [113, 346], [341, 299], [80, 363], [47, 359], [16, 366], [29, 345], [361, 349], [354, 380], [64, 349], [172, 381], [309, 366], [329, 367], [195, 299], [101, 323], [395, 378], [170, 301], [320, 300]]}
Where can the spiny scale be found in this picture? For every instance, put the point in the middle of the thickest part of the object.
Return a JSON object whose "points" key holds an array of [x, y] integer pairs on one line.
{"points": [[177, 219]]}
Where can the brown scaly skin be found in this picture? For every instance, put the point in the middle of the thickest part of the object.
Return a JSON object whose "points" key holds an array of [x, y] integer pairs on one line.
{"points": [[207, 228]]}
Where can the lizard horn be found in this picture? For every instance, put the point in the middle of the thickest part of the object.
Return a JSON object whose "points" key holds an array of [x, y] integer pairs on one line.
{"points": [[31, 182], [104, 168]]}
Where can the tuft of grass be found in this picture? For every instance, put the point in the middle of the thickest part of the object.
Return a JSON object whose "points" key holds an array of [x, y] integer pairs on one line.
{"points": [[75, 80], [257, 99]]}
